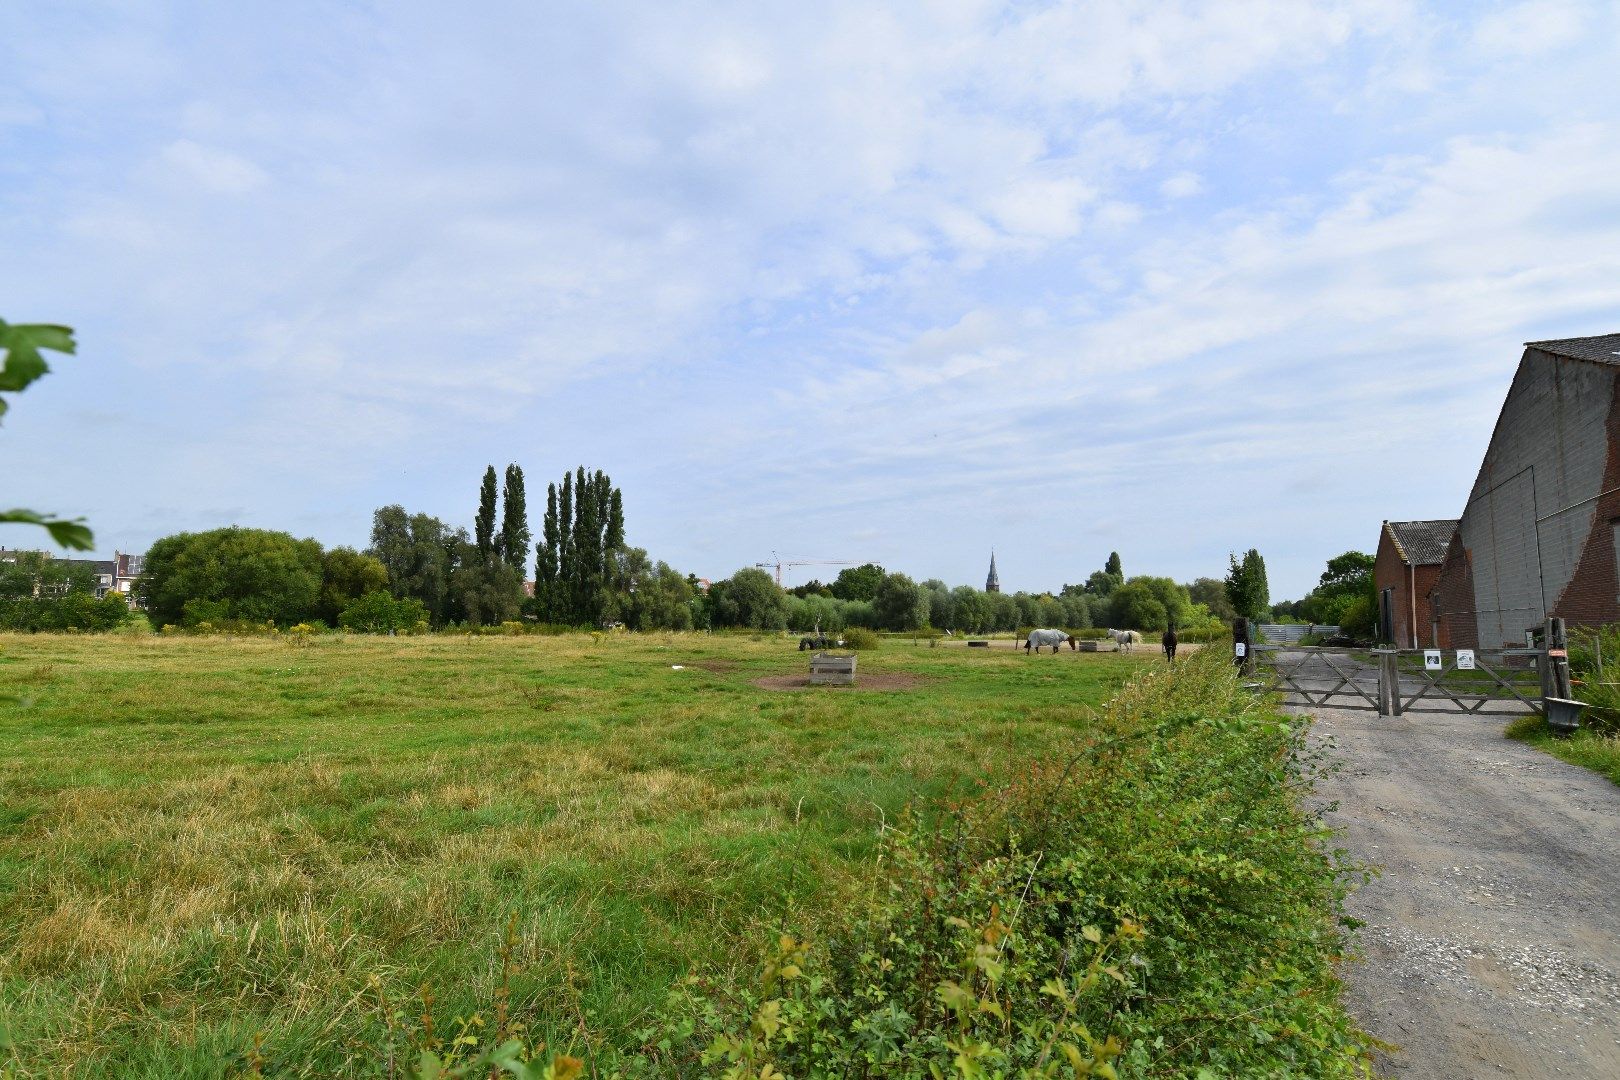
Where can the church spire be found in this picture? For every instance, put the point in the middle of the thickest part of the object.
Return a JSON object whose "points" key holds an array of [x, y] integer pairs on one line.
{"points": [[993, 582]]}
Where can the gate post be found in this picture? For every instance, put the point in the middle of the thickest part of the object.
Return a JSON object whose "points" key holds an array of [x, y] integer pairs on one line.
{"points": [[1242, 647], [1554, 662], [1389, 682]]}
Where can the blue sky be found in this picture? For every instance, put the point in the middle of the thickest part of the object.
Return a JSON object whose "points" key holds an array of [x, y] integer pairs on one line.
{"points": [[839, 280]]}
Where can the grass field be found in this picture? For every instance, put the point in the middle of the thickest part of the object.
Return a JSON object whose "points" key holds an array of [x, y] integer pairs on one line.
{"points": [[202, 839]]}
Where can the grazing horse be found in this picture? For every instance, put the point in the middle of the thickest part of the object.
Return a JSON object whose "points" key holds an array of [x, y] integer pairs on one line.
{"points": [[1124, 639], [1054, 638]]}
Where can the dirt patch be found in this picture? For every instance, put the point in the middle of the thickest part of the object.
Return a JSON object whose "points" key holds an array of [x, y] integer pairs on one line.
{"points": [[713, 667], [882, 680]]}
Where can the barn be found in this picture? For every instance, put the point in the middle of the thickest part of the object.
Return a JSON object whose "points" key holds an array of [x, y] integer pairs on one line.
{"points": [[1405, 572], [1538, 537]]}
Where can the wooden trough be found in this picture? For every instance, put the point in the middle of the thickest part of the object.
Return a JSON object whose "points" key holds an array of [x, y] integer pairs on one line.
{"points": [[829, 670]]}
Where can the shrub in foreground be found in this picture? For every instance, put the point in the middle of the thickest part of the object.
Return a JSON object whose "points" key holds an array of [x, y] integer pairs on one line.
{"points": [[858, 637]]}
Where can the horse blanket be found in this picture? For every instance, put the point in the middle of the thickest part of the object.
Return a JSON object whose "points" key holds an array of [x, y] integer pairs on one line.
{"points": [[1038, 638]]}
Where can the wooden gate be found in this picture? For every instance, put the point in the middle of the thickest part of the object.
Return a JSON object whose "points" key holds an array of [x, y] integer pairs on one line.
{"points": [[1392, 682]]}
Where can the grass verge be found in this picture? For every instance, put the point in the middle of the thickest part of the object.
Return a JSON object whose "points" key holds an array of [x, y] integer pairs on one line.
{"points": [[1589, 749]]}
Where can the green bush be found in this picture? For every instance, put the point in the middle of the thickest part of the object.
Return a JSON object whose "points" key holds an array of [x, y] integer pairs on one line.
{"points": [[1089, 633], [858, 637], [1600, 690], [380, 612]]}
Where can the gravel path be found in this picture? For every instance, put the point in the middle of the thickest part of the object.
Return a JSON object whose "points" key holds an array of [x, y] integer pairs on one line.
{"points": [[1492, 937]]}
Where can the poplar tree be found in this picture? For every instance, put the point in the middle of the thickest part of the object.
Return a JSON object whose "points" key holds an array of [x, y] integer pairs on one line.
{"points": [[579, 557], [484, 523], [514, 541]]}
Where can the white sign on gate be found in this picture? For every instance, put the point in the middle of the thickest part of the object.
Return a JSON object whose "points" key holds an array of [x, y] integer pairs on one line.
{"points": [[1242, 649], [1465, 659], [1431, 659]]}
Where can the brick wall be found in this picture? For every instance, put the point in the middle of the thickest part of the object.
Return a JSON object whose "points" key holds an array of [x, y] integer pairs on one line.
{"points": [[1390, 572]]}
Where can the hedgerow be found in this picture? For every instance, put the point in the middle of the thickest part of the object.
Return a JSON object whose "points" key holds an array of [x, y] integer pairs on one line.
{"points": [[1158, 904]]}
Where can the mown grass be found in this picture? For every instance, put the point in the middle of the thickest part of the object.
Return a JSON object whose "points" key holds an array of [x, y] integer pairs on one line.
{"points": [[205, 840], [1589, 749]]}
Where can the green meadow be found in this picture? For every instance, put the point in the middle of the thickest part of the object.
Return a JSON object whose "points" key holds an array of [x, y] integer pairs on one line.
{"points": [[208, 844]]}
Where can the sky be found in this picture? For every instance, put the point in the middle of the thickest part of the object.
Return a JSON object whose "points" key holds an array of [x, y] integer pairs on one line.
{"points": [[838, 281]]}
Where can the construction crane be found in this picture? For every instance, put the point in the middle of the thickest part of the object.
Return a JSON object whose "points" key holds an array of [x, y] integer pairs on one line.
{"points": [[777, 562]]}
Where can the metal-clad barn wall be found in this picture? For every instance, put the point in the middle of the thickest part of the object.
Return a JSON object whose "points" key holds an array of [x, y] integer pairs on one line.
{"points": [[1532, 508]]}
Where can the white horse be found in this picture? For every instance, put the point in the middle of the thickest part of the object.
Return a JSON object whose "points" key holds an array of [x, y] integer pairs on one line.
{"points": [[1054, 638], [1124, 639]]}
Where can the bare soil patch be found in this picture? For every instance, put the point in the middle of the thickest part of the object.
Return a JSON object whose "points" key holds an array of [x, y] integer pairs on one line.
{"points": [[713, 667], [882, 680]]}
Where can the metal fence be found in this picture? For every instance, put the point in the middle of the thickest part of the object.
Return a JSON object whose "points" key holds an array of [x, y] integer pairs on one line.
{"points": [[1289, 633]]}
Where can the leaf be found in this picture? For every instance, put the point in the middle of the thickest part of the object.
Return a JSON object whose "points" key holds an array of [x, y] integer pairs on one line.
{"points": [[1091, 934], [564, 1067], [73, 534], [955, 997], [428, 1066], [22, 345]]}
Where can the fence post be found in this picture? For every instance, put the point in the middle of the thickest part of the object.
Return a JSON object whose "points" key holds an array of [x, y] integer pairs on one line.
{"points": [[1242, 647], [1555, 661], [1389, 682]]}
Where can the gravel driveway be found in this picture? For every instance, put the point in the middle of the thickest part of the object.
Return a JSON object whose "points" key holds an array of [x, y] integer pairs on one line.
{"points": [[1492, 944]]}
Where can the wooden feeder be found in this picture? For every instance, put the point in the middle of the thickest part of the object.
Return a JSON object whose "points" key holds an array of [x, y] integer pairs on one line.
{"points": [[829, 670]]}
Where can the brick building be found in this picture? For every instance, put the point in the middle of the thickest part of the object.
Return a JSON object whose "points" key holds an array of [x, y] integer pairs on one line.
{"points": [[1405, 573], [1538, 536]]}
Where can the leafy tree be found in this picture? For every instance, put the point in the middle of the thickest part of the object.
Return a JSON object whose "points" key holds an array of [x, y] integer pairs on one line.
{"points": [[417, 551], [1102, 583], [1135, 607], [380, 612], [347, 575], [253, 575], [811, 588], [21, 346], [750, 598], [1212, 594], [1150, 603], [1246, 587], [660, 598], [484, 522], [482, 591], [1113, 567], [858, 582], [900, 604], [1346, 573], [969, 610], [514, 538]]}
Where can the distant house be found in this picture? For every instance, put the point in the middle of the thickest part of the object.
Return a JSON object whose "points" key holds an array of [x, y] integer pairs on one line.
{"points": [[1538, 537], [1405, 573], [126, 568], [117, 574]]}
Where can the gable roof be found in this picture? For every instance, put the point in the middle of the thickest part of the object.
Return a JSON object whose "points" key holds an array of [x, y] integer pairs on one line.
{"points": [[1604, 349], [1421, 543]]}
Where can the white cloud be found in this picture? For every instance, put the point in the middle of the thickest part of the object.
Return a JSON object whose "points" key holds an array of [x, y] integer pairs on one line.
{"points": [[1531, 29], [212, 169], [1182, 185]]}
